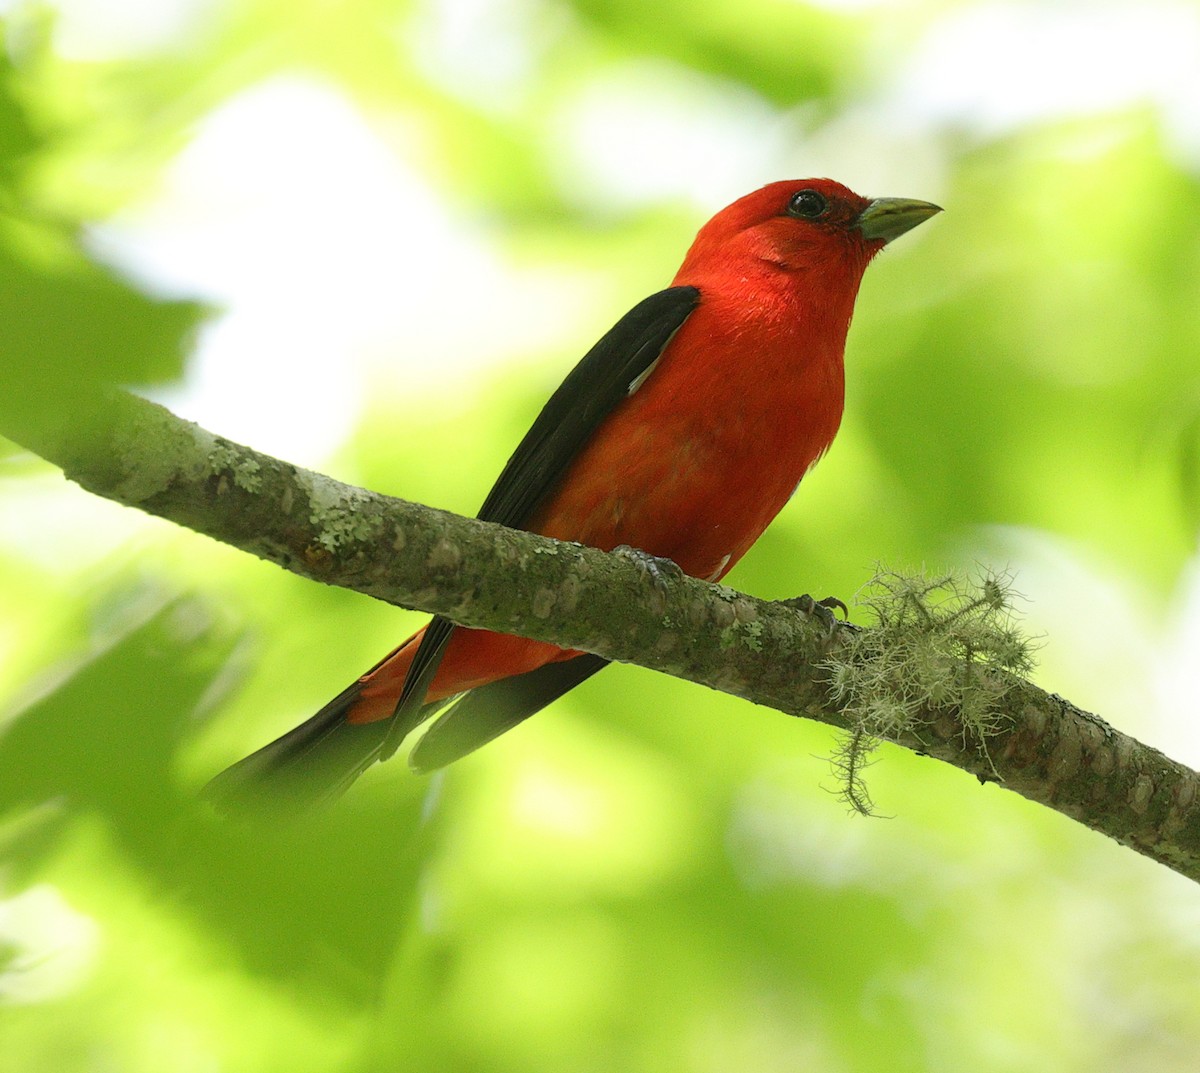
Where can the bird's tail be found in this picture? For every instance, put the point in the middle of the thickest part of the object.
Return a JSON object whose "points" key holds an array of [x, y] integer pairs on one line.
{"points": [[313, 764], [317, 761]]}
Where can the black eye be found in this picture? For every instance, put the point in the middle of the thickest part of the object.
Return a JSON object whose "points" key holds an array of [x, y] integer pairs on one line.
{"points": [[807, 204]]}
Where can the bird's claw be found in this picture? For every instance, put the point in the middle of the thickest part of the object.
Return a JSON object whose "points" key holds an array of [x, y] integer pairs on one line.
{"points": [[821, 610], [659, 570]]}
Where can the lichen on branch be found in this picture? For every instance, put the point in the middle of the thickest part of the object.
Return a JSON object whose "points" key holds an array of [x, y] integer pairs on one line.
{"points": [[946, 642]]}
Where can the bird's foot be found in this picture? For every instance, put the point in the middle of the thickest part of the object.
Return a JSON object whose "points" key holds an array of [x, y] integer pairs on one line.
{"points": [[821, 610], [659, 570]]}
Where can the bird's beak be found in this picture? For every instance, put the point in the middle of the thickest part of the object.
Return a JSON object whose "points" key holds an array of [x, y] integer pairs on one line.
{"points": [[887, 218]]}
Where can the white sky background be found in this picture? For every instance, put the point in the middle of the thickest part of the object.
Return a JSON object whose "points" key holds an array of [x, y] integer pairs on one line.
{"points": [[319, 310]]}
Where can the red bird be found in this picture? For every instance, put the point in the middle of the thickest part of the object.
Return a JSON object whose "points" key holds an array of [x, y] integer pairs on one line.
{"points": [[681, 433]]}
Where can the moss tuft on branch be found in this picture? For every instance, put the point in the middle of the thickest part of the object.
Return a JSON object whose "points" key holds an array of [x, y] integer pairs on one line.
{"points": [[949, 642]]}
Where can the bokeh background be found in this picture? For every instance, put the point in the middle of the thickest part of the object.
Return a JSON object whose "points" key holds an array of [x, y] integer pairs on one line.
{"points": [[371, 236]]}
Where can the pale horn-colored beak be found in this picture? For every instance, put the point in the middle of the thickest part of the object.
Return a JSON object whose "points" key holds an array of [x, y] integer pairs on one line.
{"points": [[887, 218]]}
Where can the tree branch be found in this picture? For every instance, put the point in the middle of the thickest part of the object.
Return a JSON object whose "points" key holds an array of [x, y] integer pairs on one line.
{"points": [[477, 574]]}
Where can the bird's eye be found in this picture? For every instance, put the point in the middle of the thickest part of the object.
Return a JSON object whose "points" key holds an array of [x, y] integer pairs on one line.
{"points": [[807, 204]]}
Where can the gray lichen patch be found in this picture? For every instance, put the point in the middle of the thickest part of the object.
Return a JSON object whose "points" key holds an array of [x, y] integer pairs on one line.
{"points": [[747, 634], [225, 460], [342, 515]]}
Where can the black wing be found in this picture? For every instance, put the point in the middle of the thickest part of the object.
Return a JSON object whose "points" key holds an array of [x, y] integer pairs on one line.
{"points": [[609, 372], [487, 712], [325, 753]]}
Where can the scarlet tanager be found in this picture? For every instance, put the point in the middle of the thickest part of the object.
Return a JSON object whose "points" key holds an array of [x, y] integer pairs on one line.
{"points": [[681, 433]]}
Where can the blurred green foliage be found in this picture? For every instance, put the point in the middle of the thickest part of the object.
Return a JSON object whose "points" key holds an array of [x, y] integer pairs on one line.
{"points": [[64, 319], [648, 876]]}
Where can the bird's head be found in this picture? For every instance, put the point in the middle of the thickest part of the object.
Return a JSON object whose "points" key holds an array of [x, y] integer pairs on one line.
{"points": [[805, 224]]}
